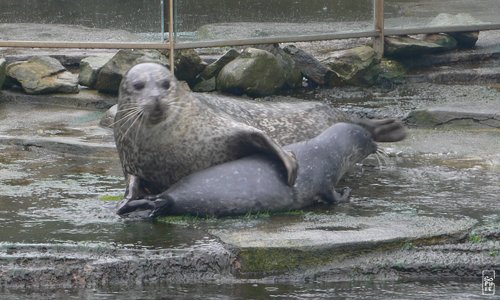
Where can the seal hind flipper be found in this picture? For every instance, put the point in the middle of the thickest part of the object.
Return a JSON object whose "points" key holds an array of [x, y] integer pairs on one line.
{"points": [[384, 130], [332, 196]]}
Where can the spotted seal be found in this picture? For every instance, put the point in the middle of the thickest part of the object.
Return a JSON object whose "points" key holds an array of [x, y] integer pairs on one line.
{"points": [[255, 183], [163, 133]]}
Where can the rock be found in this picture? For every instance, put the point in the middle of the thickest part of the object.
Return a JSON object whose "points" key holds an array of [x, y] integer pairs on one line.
{"points": [[386, 73], [293, 75], [111, 74], [188, 65], [206, 80], [404, 46], [255, 72], [213, 69], [89, 68], [464, 39], [444, 40], [43, 74], [391, 69], [309, 66], [350, 66], [205, 85], [459, 114], [464, 75], [3, 70]]}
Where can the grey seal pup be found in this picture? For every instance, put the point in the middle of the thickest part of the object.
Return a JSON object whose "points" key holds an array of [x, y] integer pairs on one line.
{"points": [[163, 133], [256, 183]]}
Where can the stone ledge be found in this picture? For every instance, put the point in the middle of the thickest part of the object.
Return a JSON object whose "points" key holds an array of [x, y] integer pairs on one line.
{"points": [[484, 115], [326, 238], [88, 99], [101, 264]]}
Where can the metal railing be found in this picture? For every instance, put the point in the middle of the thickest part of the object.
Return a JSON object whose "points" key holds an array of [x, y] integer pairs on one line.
{"points": [[378, 33]]}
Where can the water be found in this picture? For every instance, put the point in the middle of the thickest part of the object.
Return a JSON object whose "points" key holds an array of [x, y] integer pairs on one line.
{"points": [[347, 290], [54, 195]]}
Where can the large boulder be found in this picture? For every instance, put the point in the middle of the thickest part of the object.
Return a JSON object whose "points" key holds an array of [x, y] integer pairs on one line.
{"points": [[464, 39], [43, 74], [350, 66], [309, 66], [292, 73], [3, 70], [405, 46], [206, 81], [255, 72], [90, 68], [214, 68], [111, 74]]}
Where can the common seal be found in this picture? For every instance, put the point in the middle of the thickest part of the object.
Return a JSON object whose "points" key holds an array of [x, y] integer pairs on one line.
{"points": [[255, 183], [162, 133]]}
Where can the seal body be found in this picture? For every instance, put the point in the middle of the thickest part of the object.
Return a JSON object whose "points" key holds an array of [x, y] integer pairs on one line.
{"points": [[163, 133], [287, 120], [256, 183]]}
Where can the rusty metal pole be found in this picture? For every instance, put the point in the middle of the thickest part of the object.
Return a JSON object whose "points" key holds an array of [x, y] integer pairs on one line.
{"points": [[378, 18], [171, 34]]}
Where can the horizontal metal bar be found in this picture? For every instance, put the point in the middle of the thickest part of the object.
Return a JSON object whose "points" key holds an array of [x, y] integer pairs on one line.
{"points": [[274, 40], [241, 42], [82, 45], [442, 29], [186, 45]]}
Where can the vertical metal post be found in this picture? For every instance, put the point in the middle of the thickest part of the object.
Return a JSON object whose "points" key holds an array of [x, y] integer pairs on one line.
{"points": [[171, 38], [378, 17], [162, 9]]}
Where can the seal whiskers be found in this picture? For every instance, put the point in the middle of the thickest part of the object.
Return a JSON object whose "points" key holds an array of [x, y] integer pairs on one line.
{"points": [[136, 116]]}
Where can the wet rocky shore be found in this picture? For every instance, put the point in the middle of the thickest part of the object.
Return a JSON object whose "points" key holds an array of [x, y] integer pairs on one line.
{"points": [[429, 209]]}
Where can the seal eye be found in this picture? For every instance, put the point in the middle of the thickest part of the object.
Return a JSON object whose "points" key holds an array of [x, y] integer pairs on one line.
{"points": [[138, 85], [165, 84]]}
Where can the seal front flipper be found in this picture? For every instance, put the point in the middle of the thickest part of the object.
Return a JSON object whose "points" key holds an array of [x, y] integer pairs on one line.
{"points": [[263, 143], [134, 189]]}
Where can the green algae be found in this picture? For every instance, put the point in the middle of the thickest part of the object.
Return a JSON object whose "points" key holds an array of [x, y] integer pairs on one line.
{"points": [[111, 197]]}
